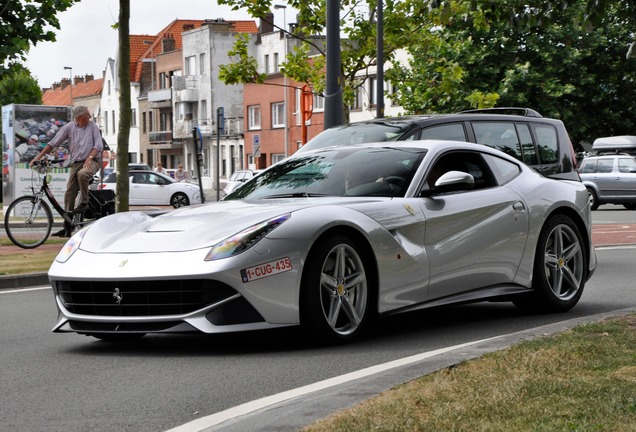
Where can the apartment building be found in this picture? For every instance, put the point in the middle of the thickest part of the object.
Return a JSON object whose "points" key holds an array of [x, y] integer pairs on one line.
{"points": [[175, 89], [202, 101]]}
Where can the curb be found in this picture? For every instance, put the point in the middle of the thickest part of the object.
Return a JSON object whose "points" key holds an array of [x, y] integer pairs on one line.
{"points": [[24, 280]]}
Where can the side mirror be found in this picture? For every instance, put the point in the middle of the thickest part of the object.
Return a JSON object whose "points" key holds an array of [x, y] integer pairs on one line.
{"points": [[452, 181]]}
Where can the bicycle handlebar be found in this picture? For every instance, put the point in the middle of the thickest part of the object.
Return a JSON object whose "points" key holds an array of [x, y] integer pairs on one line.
{"points": [[47, 161]]}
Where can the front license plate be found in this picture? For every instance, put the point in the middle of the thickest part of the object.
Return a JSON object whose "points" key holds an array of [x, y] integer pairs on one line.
{"points": [[265, 270]]}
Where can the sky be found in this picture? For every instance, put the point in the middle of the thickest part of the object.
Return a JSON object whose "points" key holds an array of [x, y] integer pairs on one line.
{"points": [[86, 38]]}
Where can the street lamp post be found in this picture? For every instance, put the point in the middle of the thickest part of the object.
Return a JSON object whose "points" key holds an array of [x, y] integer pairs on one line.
{"points": [[284, 8], [70, 75]]}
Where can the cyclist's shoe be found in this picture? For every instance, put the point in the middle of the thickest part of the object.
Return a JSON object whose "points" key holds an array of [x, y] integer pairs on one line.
{"points": [[61, 233], [81, 208]]}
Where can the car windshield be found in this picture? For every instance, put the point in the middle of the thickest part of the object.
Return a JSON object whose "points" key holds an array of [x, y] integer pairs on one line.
{"points": [[341, 171], [357, 133]]}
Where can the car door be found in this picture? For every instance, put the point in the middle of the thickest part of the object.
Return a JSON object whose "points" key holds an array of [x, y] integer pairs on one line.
{"points": [[474, 238], [625, 176], [605, 178], [147, 188], [159, 190]]}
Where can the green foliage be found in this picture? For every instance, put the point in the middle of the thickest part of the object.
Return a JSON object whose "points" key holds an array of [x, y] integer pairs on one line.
{"points": [[245, 67], [19, 87], [26, 22], [358, 47], [560, 69]]}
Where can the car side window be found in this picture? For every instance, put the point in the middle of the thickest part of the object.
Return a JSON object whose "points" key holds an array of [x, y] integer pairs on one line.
{"points": [[503, 170], [547, 143], [626, 165], [605, 165], [499, 135], [468, 162], [528, 150], [588, 166], [451, 132]]}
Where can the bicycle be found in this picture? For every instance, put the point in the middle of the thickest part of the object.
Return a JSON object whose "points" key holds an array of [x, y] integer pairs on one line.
{"points": [[28, 219]]}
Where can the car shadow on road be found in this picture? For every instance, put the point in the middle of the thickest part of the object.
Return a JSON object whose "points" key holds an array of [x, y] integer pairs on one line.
{"points": [[442, 325]]}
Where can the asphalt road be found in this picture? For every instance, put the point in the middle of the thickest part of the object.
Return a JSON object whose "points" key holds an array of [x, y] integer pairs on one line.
{"points": [[67, 382]]}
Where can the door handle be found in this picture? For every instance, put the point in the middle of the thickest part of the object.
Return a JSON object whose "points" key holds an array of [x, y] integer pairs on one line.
{"points": [[519, 206]]}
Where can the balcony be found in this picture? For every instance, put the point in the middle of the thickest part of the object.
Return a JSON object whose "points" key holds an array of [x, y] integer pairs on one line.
{"points": [[160, 98], [186, 88], [160, 137], [183, 129]]}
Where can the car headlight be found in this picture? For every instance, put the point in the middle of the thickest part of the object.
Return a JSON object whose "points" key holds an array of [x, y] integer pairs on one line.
{"points": [[245, 239], [71, 246]]}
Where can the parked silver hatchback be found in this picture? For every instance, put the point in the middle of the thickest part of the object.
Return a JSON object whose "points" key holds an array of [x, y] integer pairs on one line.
{"points": [[610, 179]]}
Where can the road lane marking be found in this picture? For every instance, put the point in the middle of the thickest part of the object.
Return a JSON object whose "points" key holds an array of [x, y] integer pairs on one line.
{"points": [[249, 407]]}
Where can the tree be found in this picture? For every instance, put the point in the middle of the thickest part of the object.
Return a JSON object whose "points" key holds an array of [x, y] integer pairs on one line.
{"points": [[123, 133], [26, 22], [358, 47], [19, 87], [560, 68]]}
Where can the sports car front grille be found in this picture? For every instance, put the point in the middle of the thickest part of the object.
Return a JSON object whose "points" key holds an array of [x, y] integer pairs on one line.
{"points": [[141, 298]]}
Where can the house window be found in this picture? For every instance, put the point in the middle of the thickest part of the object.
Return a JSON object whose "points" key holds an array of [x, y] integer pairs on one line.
{"points": [[356, 104], [150, 127], [278, 114], [109, 87], [203, 112], [162, 80], [319, 103], [143, 122], [277, 158], [106, 122], [373, 97], [254, 116], [190, 66], [275, 62], [266, 60], [202, 68], [133, 117], [163, 122], [114, 129]]}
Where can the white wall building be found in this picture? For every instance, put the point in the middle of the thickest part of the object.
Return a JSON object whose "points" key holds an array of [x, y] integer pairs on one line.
{"points": [[198, 95]]}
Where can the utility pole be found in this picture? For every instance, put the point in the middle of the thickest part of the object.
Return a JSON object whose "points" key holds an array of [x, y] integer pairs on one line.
{"points": [[334, 114], [380, 59]]}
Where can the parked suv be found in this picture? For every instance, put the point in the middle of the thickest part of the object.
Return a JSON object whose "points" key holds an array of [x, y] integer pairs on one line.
{"points": [[539, 142], [610, 179]]}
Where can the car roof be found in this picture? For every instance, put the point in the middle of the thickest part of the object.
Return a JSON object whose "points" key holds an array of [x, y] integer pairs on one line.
{"points": [[488, 113]]}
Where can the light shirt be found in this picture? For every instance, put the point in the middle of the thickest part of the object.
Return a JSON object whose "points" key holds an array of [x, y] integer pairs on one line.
{"points": [[81, 141]]}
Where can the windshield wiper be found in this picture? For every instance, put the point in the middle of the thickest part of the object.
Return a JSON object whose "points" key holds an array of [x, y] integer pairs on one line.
{"points": [[294, 195]]}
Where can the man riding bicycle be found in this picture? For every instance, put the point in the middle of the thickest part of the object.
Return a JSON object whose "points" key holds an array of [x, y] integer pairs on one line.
{"points": [[85, 147]]}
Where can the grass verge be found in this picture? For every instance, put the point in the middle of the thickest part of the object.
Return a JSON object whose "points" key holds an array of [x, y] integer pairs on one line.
{"points": [[580, 380], [23, 261]]}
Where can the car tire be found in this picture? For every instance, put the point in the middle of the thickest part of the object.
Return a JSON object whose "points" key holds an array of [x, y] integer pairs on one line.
{"points": [[179, 200], [593, 199], [337, 291], [560, 268], [630, 206]]}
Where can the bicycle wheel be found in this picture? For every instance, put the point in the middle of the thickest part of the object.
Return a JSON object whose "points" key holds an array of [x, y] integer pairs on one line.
{"points": [[28, 222]]}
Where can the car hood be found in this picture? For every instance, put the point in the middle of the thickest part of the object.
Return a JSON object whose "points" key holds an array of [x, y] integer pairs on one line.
{"points": [[192, 227]]}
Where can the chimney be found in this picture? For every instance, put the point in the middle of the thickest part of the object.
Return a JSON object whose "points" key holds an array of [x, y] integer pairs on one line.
{"points": [[168, 44], [77, 80], [267, 23], [65, 82], [89, 77], [55, 86]]}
